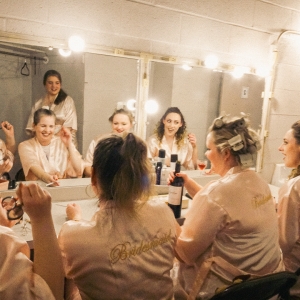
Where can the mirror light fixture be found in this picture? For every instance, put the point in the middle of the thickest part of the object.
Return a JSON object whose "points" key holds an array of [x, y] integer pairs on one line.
{"points": [[131, 104], [186, 67], [76, 43], [211, 61], [151, 107], [239, 71], [64, 52]]}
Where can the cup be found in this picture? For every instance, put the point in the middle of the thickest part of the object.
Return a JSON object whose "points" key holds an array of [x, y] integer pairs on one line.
{"points": [[202, 163]]}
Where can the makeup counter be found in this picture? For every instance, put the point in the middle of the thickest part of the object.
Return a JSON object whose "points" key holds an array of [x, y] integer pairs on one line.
{"points": [[79, 191]]}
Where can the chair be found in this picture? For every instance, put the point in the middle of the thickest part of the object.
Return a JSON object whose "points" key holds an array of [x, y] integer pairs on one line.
{"points": [[20, 176], [261, 288]]}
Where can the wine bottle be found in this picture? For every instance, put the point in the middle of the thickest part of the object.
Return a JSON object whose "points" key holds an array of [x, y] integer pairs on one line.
{"points": [[174, 158], [161, 156], [175, 192], [158, 172]]}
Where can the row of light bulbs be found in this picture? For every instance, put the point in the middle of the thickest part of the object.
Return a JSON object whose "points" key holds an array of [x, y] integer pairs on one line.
{"points": [[212, 62]]}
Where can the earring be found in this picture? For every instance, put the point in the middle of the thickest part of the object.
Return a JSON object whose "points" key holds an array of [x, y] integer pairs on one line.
{"points": [[90, 192]]}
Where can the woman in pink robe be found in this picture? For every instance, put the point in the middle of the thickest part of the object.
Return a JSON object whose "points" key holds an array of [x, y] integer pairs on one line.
{"points": [[48, 157]]}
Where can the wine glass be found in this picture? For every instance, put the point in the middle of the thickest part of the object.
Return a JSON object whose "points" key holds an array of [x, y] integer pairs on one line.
{"points": [[202, 163]]}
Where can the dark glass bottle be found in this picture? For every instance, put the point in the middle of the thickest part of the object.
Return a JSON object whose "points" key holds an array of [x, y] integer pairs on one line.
{"points": [[174, 158], [158, 172], [175, 192]]}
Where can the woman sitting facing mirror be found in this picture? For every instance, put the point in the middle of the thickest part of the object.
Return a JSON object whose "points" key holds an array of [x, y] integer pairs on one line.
{"points": [[231, 228], [121, 121], [57, 100], [171, 135], [7, 148], [48, 157], [126, 251]]}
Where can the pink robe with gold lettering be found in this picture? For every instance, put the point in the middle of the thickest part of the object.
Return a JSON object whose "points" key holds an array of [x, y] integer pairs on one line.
{"points": [[116, 256]]}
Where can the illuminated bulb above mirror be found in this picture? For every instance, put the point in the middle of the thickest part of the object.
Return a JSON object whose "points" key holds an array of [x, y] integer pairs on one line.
{"points": [[76, 43], [239, 71], [151, 107], [211, 61], [186, 67], [131, 104], [64, 52]]}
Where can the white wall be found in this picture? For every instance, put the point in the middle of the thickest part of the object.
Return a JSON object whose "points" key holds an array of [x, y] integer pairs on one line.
{"points": [[239, 32]]}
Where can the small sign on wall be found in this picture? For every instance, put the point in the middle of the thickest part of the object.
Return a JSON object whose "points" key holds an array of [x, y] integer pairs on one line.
{"points": [[245, 92]]}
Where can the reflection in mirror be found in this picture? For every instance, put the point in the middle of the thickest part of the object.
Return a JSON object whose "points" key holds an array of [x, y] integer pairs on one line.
{"points": [[202, 94], [95, 82]]}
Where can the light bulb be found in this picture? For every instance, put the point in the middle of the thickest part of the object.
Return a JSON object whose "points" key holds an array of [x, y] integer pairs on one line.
{"points": [[64, 52], [186, 67], [211, 61], [131, 104], [76, 43], [151, 107]]}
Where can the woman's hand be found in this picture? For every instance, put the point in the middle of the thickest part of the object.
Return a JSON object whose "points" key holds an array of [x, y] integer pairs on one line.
{"points": [[181, 174], [8, 129], [5, 166], [36, 201], [73, 212], [66, 136], [192, 139], [50, 178]]}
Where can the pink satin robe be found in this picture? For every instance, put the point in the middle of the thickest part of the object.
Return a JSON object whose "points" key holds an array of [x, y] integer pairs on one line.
{"points": [[17, 278], [31, 154], [233, 218], [116, 256]]}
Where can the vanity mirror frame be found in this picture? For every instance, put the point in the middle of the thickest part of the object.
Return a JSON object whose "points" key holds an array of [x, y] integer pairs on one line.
{"points": [[145, 60]]}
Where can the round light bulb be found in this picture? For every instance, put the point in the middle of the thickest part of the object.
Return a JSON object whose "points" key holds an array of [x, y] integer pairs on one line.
{"points": [[151, 107], [76, 43], [64, 52], [186, 67], [131, 104], [238, 72], [211, 61]]}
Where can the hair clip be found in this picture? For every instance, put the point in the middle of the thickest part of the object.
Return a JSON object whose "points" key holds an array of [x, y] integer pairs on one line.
{"points": [[236, 143], [247, 160], [239, 124]]}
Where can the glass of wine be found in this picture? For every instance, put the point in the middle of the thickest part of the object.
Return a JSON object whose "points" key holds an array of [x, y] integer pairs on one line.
{"points": [[202, 163]]}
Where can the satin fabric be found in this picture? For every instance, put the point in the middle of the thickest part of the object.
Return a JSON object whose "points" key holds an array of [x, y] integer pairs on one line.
{"points": [[289, 226], [65, 113], [184, 153], [17, 279], [32, 154], [90, 152], [116, 256], [233, 218]]}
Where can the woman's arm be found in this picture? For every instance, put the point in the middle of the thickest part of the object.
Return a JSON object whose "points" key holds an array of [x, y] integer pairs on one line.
{"points": [[193, 141], [47, 256], [66, 137], [10, 141], [39, 172]]}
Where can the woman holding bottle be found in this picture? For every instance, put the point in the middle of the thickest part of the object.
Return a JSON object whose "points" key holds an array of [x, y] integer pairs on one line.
{"points": [[57, 100], [171, 135], [126, 251], [289, 204], [121, 121], [231, 228], [48, 157]]}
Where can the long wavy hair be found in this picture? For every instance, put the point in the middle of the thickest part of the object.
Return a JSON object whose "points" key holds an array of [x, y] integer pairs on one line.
{"points": [[181, 132], [62, 95]]}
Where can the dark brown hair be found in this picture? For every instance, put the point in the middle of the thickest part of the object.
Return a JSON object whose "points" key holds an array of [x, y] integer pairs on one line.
{"points": [[62, 95], [38, 114]]}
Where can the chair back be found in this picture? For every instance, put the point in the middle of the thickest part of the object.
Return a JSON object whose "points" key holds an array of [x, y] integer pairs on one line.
{"points": [[261, 288]]}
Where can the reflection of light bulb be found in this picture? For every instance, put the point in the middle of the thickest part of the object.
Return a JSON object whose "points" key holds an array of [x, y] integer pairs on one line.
{"points": [[211, 61], [186, 67], [238, 72], [64, 52], [151, 107], [131, 104], [76, 43]]}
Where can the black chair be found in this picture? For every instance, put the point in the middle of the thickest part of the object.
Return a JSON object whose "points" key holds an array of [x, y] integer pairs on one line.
{"points": [[20, 176], [261, 288]]}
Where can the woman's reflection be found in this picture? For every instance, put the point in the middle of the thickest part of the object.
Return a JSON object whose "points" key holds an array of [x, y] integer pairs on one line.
{"points": [[121, 120], [48, 157], [56, 99], [171, 135]]}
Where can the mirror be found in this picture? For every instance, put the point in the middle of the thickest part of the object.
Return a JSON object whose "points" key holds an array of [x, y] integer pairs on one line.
{"points": [[97, 82], [202, 94]]}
